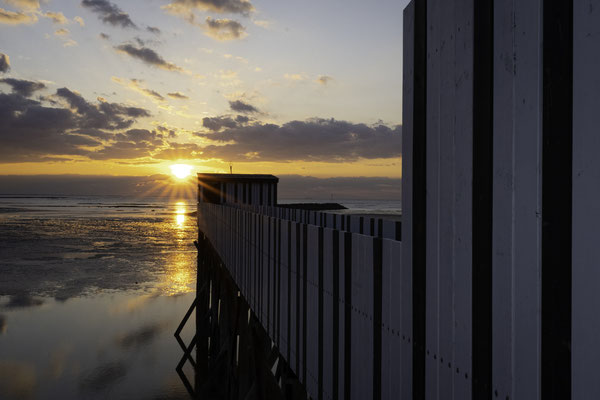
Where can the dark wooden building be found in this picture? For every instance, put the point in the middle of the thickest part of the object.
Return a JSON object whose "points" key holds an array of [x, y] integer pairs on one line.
{"points": [[249, 189]]}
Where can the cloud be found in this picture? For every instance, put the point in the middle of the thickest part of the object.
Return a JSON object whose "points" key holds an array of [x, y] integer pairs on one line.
{"points": [[217, 123], [4, 63], [24, 4], [295, 77], [243, 7], [324, 140], [123, 150], [109, 13], [61, 32], [56, 17], [23, 87], [179, 151], [262, 23], [31, 131], [103, 115], [178, 95], [69, 43], [166, 131], [153, 29], [147, 56], [139, 143], [79, 20], [240, 106], [324, 79], [136, 85], [224, 29], [16, 18], [104, 36]]}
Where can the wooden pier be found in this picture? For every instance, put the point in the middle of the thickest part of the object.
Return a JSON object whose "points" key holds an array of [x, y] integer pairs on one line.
{"points": [[492, 289], [324, 287]]}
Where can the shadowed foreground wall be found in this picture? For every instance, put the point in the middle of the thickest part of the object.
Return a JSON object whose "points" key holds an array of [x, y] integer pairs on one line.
{"points": [[500, 195]]}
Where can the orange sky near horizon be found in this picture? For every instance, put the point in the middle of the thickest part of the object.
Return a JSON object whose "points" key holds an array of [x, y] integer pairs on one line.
{"points": [[369, 168]]}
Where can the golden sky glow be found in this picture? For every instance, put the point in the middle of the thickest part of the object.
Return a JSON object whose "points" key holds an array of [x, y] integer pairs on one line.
{"points": [[268, 87]]}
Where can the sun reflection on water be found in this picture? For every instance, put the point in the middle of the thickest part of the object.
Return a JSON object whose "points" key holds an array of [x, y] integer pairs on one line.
{"points": [[179, 277], [180, 214]]}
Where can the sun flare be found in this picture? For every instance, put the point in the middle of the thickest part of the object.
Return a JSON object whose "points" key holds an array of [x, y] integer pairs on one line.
{"points": [[181, 171]]}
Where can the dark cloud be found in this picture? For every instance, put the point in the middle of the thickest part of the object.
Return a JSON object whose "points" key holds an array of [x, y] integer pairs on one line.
{"points": [[153, 29], [224, 121], [109, 13], [178, 95], [23, 87], [154, 94], [243, 7], [242, 119], [4, 62], [312, 140], [31, 131], [148, 56], [104, 115], [217, 123], [166, 131], [136, 84], [134, 143], [104, 36], [240, 106], [123, 150], [224, 29], [141, 135]]}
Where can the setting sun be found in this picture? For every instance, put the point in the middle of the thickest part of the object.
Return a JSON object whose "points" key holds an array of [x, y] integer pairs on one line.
{"points": [[181, 171]]}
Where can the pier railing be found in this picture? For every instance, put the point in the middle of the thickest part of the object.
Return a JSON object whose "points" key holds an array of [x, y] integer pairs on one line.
{"points": [[328, 289]]}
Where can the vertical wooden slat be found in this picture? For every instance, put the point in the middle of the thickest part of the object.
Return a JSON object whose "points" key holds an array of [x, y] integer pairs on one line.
{"points": [[406, 263], [483, 134], [434, 68], [557, 162], [447, 118], [586, 212]]}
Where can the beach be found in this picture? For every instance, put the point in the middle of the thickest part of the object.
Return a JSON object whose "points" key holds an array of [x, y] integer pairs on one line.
{"points": [[91, 294], [92, 290]]}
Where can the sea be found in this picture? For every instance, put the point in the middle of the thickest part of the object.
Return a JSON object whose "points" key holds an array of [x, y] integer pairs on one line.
{"points": [[92, 289]]}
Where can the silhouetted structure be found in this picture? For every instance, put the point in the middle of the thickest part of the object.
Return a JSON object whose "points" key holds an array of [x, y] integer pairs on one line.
{"points": [[259, 190]]}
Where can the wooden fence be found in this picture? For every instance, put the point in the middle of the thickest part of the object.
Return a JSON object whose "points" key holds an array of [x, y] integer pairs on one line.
{"points": [[329, 291]]}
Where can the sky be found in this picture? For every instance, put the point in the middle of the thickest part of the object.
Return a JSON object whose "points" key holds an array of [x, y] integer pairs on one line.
{"points": [[98, 87]]}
